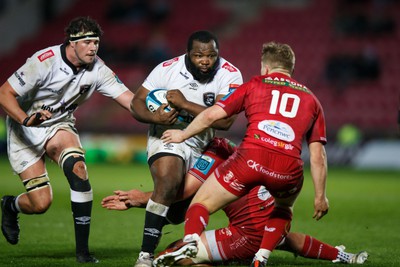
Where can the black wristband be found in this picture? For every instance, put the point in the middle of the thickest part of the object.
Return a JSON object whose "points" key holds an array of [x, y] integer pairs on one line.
{"points": [[25, 122]]}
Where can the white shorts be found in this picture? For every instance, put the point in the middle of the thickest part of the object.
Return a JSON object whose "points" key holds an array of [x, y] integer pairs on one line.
{"points": [[187, 153], [25, 145]]}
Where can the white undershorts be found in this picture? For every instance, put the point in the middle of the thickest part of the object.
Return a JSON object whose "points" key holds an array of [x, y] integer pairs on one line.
{"points": [[187, 153], [25, 145]]}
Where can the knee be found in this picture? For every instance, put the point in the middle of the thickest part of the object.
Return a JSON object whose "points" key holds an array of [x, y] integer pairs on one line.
{"points": [[41, 206], [72, 161]]}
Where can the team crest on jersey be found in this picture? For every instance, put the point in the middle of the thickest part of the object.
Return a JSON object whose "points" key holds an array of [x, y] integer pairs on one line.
{"points": [[84, 88], [229, 67], [209, 99], [169, 62], [45, 55]]}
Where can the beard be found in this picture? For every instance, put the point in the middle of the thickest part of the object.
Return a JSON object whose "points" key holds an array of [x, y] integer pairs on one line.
{"points": [[202, 77]]}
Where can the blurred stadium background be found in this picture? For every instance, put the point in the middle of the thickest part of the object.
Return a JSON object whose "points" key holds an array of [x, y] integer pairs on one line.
{"points": [[347, 53]]}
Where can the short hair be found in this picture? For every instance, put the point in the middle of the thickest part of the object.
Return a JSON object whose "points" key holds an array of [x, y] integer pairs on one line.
{"points": [[203, 37], [82, 24], [278, 55]]}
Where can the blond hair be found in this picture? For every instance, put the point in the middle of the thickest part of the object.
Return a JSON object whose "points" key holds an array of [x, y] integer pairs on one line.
{"points": [[277, 55]]}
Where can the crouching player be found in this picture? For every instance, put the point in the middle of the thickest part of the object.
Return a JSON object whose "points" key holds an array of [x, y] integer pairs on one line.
{"points": [[240, 240]]}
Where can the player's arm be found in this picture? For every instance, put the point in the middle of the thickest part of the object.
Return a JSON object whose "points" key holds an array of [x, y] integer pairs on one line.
{"points": [[204, 120], [125, 99], [123, 200], [141, 113], [178, 101], [319, 169], [9, 103]]}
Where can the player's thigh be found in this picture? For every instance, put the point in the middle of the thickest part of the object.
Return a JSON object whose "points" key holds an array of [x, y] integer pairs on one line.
{"points": [[61, 140], [213, 195]]}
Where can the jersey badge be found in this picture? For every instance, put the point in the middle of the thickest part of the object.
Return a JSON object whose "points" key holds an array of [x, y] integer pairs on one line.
{"points": [[209, 99], [229, 67], [46, 55], [170, 62], [204, 164]]}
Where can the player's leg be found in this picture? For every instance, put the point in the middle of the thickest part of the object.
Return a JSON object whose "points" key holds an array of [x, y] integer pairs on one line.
{"points": [[277, 227], [209, 198], [167, 171], [65, 148], [310, 247], [36, 200]]}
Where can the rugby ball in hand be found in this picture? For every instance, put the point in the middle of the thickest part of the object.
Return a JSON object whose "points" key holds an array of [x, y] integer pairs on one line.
{"points": [[156, 98]]}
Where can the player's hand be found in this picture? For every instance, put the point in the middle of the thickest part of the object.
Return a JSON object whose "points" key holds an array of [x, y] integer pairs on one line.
{"points": [[321, 207], [176, 99], [166, 117], [37, 118], [173, 136], [114, 203]]}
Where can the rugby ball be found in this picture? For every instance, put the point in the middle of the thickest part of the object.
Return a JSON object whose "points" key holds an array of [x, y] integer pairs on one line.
{"points": [[156, 98]]}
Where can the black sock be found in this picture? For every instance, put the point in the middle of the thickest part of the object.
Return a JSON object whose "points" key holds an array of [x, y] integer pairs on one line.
{"points": [[81, 213], [153, 225], [10, 204]]}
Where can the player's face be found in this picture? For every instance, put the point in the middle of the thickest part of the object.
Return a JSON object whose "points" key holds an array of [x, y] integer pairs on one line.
{"points": [[85, 51], [204, 56], [203, 60]]}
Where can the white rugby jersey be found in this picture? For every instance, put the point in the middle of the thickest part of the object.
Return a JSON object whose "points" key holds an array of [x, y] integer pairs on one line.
{"points": [[49, 81], [173, 74]]}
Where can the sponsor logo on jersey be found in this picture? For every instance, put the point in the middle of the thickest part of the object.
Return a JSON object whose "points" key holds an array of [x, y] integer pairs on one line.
{"points": [[262, 169], [277, 129], [170, 62], [63, 108], [45, 55], [209, 99], [275, 143], [19, 78], [204, 164], [64, 70], [229, 67], [286, 82], [184, 75], [193, 86]]}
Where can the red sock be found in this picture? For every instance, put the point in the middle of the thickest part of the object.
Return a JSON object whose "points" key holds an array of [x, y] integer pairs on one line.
{"points": [[196, 219], [276, 228], [315, 249]]}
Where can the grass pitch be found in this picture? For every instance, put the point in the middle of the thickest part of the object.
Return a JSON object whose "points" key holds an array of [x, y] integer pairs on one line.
{"points": [[364, 215]]}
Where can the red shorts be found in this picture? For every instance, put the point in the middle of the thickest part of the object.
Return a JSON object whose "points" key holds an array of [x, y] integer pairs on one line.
{"points": [[281, 175], [217, 152], [231, 243]]}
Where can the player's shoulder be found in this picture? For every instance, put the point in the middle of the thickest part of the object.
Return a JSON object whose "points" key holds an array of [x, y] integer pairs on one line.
{"points": [[173, 62], [228, 67], [47, 54]]}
